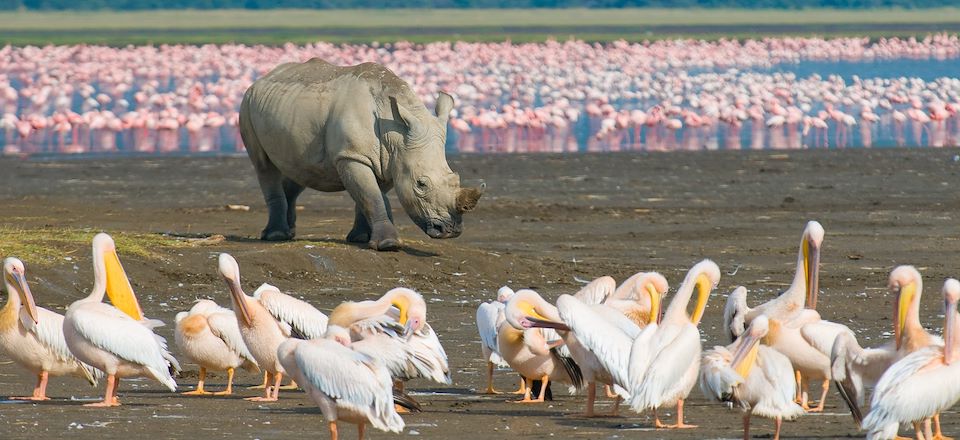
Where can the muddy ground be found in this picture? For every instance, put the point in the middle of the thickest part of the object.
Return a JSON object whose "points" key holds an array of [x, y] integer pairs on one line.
{"points": [[544, 222]]}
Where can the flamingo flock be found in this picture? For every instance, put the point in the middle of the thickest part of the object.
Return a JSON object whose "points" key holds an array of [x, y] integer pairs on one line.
{"points": [[539, 97]]}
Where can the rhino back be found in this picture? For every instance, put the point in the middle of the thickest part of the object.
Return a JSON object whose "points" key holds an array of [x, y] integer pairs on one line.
{"points": [[308, 115]]}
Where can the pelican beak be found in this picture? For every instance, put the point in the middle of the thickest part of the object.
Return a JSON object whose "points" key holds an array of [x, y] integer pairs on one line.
{"points": [[900, 308], [544, 323], [655, 309], [950, 332], [746, 355], [239, 300], [19, 281], [403, 305], [811, 267], [118, 286], [704, 286]]}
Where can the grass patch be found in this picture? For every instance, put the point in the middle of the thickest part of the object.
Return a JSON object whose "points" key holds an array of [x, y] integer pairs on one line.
{"points": [[38, 245], [274, 27]]}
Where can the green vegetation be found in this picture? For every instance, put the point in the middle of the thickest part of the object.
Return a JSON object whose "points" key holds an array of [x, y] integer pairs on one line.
{"points": [[520, 25], [46, 244]]}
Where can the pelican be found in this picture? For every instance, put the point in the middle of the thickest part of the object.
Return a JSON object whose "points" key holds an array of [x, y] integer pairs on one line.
{"points": [[755, 378], [489, 318], [210, 336], [33, 336], [796, 331], [664, 366], [528, 351], [922, 384], [116, 339], [347, 385], [398, 321], [854, 367], [586, 330]]}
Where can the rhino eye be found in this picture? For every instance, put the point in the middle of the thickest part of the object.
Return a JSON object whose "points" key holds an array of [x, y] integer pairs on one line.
{"points": [[422, 184]]}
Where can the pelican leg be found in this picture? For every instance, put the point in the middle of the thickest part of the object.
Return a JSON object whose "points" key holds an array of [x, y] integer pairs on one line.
{"points": [[545, 381], [333, 430], [268, 391], [927, 432], [823, 397], [199, 391], [746, 425], [609, 390], [490, 389], [591, 398], [777, 423], [109, 397], [266, 381], [276, 385], [229, 389], [528, 384], [523, 386], [616, 407], [680, 424], [937, 433], [39, 391], [918, 430], [360, 428], [656, 420]]}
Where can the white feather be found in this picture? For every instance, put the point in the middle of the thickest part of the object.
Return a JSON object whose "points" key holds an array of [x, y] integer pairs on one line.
{"points": [[302, 318]]}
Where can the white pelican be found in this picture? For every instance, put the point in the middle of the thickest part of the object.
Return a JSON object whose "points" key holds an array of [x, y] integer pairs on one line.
{"points": [[757, 379], [33, 336], [671, 351], [397, 320], [922, 384], [854, 367], [489, 317], [347, 385], [586, 330], [797, 332], [116, 339], [528, 351], [210, 336]]}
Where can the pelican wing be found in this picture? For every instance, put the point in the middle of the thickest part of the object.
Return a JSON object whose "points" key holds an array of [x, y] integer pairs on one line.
{"points": [[675, 348], [854, 367], [821, 334], [779, 387], [356, 381], [113, 331], [596, 291], [49, 331], [599, 334], [717, 380], [224, 326], [305, 321], [489, 316], [627, 315], [426, 348]]}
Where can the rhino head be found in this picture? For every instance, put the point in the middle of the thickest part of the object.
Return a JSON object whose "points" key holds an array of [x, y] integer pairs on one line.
{"points": [[428, 189]]}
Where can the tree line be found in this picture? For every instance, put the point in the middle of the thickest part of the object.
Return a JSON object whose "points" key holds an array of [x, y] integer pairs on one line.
{"points": [[379, 4]]}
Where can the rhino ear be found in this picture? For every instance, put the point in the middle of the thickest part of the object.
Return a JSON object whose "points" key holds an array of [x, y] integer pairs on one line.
{"points": [[407, 118], [444, 106]]}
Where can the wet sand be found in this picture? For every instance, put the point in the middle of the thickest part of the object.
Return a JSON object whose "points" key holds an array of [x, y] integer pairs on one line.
{"points": [[544, 222]]}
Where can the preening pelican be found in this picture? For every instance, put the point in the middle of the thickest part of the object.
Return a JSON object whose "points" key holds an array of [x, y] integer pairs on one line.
{"points": [[796, 331], [528, 351], [397, 321], [261, 332], [489, 317], [116, 339], [32, 336], [671, 350], [855, 368], [210, 336], [922, 384], [757, 379], [347, 385], [598, 335]]}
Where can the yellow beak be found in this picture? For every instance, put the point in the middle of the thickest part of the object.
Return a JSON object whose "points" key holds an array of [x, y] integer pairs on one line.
{"points": [[704, 286], [26, 297], [654, 304], [118, 287]]}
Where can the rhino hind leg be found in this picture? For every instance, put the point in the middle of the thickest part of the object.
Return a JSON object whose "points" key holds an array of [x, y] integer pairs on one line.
{"points": [[271, 184], [292, 190], [362, 186], [361, 229]]}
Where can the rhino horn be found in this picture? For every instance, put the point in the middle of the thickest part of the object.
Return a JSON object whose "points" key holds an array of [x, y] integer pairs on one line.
{"points": [[444, 106], [414, 126], [467, 198]]}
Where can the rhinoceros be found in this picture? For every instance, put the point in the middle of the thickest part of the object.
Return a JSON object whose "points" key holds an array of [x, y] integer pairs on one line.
{"points": [[360, 129]]}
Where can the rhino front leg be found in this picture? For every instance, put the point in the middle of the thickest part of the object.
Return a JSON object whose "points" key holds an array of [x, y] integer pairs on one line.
{"points": [[271, 184], [292, 190], [362, 186], [361, 229]]}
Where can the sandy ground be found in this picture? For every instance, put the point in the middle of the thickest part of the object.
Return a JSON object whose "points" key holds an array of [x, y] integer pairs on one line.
{"points": [[545, 221]]}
